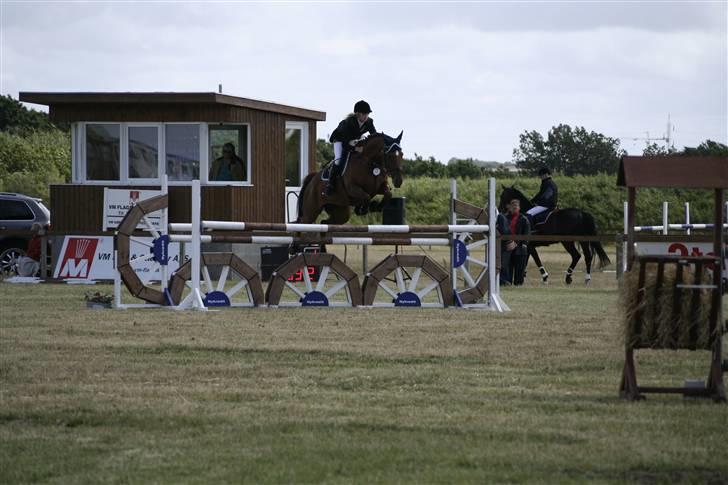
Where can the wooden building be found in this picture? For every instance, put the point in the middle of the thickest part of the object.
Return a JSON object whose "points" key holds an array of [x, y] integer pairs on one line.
{"points": [[130, 140]]}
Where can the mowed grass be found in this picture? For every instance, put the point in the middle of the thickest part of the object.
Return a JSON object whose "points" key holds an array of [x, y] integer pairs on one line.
{"points": [[344, 395]]}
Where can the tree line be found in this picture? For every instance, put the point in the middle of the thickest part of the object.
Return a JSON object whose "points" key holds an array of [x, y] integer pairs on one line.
{"points": [[34, 153]]}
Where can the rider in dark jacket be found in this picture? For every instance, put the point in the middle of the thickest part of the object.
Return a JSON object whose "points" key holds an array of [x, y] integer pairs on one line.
{"points": [[548, 195], [345, 137]]}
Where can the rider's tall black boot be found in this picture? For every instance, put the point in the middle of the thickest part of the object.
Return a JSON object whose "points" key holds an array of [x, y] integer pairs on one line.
{"points": [[333, 177]]}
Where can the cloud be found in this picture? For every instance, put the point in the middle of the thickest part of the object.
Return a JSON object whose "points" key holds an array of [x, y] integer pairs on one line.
{"points": [[461, 80]]}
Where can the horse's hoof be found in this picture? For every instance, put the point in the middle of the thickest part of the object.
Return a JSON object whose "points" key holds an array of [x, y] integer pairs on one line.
{"points": [[587, 279], [568, 279]]}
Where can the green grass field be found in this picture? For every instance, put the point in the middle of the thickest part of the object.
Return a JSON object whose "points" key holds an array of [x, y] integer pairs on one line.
{"points": [[344, 395]]}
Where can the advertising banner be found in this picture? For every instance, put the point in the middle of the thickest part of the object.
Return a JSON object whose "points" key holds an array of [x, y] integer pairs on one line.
{"points": [[679, 249], [92, 258], [117, 203]]}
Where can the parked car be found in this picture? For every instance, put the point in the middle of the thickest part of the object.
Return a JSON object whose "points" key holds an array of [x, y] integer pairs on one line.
{"points": [[18, 212]]}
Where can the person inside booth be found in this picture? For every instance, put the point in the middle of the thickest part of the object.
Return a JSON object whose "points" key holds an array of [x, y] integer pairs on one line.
{"points": [[228, 167]]}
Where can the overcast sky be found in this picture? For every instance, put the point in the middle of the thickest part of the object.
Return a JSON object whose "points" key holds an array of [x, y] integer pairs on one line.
{"points": [[462, 79]]}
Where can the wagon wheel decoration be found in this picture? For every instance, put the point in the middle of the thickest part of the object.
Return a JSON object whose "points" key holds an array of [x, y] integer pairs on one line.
{"points": [[337, 284], [428, 282], [246, 292], [471, 272], [158, 249]]}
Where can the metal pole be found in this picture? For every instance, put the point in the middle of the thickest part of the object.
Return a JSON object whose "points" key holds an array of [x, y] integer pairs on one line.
{"points": [[665, 218], [494, 300], [687, 217], [196, 250], [164, 231], [364, 258], [624, 243], [451, 237]]}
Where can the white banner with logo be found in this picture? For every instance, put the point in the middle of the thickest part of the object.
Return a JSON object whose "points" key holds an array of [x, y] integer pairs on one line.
{"points": [[679, 249], [92, 258], [117, 203]]}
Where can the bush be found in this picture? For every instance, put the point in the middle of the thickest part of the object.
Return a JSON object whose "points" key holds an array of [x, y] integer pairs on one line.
{"points": [[28, 164], [428, 200]]}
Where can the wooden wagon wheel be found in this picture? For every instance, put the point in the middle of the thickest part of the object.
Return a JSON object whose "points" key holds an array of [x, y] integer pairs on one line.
{"points": [[247, 292], [337, 284], [158, 249], [471, 272], [409, 292]]}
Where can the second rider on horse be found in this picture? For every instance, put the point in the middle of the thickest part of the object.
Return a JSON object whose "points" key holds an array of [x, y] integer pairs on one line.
{"points": [[547, 197], [345, 137]]}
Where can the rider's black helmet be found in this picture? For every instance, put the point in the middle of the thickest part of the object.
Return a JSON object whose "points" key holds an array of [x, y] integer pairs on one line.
{"points": [[544, 171], [362, 107]]}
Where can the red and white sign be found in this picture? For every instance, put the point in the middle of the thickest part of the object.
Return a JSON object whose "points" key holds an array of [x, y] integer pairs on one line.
{"points": [[92, 258], [679, 249]]}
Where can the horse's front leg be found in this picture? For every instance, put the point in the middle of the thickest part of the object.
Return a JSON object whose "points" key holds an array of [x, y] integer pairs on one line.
{"points": [[536, 259], [360, 199], [377, 206]]}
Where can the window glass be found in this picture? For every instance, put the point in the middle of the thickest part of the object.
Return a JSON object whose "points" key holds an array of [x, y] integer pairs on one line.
{"points": [[143, 152], [183, 151], [293, 157], [102, 152], [15, 210], [228, 153]]}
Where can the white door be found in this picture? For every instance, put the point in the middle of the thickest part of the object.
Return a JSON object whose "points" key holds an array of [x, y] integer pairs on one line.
{"points": [[296, 164]]}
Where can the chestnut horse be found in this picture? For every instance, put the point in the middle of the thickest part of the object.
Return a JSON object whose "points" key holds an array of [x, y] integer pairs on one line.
{"points": [[365, 176]]}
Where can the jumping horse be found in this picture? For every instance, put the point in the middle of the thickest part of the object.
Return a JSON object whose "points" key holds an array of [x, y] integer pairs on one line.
{"points": [[377, 158], [561, 222]]}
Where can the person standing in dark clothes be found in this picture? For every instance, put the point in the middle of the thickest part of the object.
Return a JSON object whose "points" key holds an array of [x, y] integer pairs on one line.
{"points": [[548, 194], [345, 137], [514, 254]]}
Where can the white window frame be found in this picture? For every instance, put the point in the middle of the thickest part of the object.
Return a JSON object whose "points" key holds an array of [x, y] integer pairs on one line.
{"points": [[82, 151], [304, 168], [125, 154], [203, 152], [208, 161]]}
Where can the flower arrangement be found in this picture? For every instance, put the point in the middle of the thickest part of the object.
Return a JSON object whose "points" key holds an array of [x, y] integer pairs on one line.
{"points": [[98, 299]]}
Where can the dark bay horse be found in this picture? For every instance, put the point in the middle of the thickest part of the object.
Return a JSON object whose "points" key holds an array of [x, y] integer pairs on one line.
{"points": [[365, 176], [562, 222]]}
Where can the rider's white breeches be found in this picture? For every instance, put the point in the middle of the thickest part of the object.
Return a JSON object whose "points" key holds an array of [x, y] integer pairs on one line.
{"points": [[338, 151], [536, 209]]}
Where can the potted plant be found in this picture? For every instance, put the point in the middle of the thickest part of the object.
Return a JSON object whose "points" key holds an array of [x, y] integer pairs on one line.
{"points": [[98, 300]]}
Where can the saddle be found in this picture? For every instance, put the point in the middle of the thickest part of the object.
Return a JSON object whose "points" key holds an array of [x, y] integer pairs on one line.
{"points": [[540, 219], [326, 171]]}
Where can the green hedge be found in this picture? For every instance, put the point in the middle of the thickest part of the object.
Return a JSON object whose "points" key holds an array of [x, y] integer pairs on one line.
{"points": [[428, 200]]}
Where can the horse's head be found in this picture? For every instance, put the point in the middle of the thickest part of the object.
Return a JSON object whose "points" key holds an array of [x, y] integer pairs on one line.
{"points": [[508, 194], [393, 157]]}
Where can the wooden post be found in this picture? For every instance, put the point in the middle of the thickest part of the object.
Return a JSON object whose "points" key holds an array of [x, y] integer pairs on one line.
{"points": [[631, 198]]}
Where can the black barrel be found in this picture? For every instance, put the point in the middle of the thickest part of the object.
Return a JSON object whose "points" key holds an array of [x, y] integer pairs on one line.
{"points": [[393, 213]]}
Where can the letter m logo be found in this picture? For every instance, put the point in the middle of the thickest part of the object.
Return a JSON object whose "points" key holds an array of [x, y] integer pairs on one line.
{"points": [[77, 259]]}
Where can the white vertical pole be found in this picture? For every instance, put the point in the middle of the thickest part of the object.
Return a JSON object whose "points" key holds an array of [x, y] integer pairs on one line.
{"points": [[687, 217], [117, 282], [196, 250], [665, 218], [494, 300], [624, 244], [453, 221], [164, 231]]}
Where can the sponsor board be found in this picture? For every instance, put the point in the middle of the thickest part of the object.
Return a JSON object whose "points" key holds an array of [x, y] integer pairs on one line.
{"points": [[680, 249], [92, 258], [117, 203]]}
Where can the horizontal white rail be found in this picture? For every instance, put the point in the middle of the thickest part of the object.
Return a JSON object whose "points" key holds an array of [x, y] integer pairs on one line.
{"points": [[375, 228]]}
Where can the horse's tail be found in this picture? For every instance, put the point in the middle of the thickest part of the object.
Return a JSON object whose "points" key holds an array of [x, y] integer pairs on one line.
{"points": [[299, 203], [590, 229]]}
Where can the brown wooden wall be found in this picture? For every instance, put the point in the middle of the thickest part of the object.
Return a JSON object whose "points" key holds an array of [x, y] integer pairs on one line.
{"points": [[78, 208]]}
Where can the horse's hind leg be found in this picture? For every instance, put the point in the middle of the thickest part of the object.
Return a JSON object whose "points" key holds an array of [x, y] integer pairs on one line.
{"points": [[575, 256], [537, 260], [588, 258]]}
